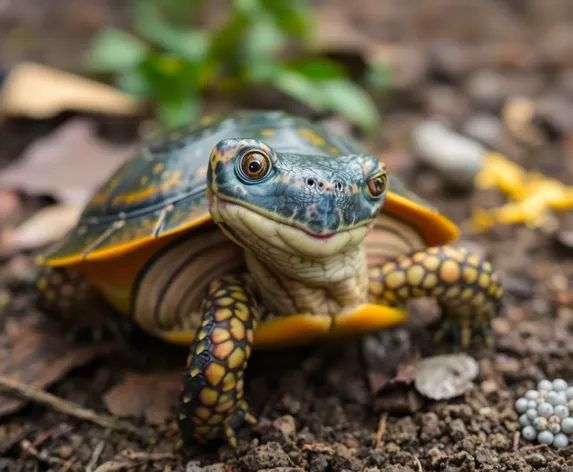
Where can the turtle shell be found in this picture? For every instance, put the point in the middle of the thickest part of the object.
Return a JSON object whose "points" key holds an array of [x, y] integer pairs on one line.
{"points": [[161, 190]]}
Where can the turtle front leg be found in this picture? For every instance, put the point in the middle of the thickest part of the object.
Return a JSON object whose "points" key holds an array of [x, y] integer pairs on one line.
{"points": [[211, 402], [465, 285]]}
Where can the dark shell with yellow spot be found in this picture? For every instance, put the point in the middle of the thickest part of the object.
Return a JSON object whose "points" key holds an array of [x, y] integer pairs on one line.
{"points": [[161, 190]]}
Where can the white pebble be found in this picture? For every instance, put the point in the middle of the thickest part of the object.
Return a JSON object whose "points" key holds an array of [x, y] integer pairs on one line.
{"points": [[554, 428], [559, 385], [567, 425], [554, 419], [545, 437], [544, 409], [570, 405], [540, 423], [569, 393], [562, 398], [524, 420], [529, 433], [532, 413], [560, 440], [562, 411], [531, 404], [532, 394], [545, 385], [521, 405], [552, 398]]}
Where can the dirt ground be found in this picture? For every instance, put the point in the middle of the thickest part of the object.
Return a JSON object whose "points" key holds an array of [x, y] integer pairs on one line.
{"points": [[330, 408]]}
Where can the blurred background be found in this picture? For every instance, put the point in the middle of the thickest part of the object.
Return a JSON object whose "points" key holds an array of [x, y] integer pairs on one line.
{"points": [[470, 104]]}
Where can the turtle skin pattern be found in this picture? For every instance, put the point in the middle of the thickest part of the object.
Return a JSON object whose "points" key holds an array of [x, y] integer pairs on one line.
{"points": [[213, 387], [464, 284]]}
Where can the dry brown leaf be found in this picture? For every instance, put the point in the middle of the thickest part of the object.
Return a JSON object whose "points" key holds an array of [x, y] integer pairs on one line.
{"points": [[152, 396], [46, 226], [69, 164], [33, 355], [38, 91]]}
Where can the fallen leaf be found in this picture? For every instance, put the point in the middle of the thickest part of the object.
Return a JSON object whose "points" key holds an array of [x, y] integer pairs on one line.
{"points": [[47, 225], [395, 394], [31, 354], [69, 164], [38, 91], [446, 376], [152, 396]]}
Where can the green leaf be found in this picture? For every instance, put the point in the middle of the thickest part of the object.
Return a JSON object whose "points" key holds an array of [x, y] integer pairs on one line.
{"points": [[350, 100], [299, 87], [133, 82], [319, 68], [172, 114], [292, 16], [191, 45], [246, 7], [114, 50]]}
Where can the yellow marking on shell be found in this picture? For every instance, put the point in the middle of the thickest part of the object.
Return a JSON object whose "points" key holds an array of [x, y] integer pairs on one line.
{"points": [[202, 412], [439, 290], [486, 265], [219, 335], [172, 182], [390, 297], [222, 351], [403, 292], [229, 382], [208, 396], [240, 386], [222, 314], [186, 399], [237, 329], [236, 358], [215, 419], [203, 429], [157, 168], [200, 348], [450, 272], [214, 373], [247, 354], [499, 292], [195, 371], [419, 257], [431, 262], [376, 287], [395, 280], [469, 274], [267, 132], [415, 274], [312, 137], [202, 334], [484, 280], [473, 260], [241, 311], [431, 280], [250, 335]]}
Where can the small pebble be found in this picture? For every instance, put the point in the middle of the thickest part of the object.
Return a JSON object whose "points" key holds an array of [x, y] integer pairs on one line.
{"points": [[570, 405], [569, 393], [560, 440], [561, 411], [545, 437], [544, 409], [554, 428], [562, 398], [531, 404], [532, 413], [532, 394], [567, 425], [545, 385], [529, 433], [559, 385], [524, 420], [554, 419], [521, 405], [552, 398], [540, 423]]}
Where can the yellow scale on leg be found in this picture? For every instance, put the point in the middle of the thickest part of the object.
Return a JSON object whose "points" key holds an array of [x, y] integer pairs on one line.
{"points": [[212, 397]]}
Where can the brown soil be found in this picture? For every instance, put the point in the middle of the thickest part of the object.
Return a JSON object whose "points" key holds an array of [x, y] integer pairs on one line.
{"points": [[317, 407]]}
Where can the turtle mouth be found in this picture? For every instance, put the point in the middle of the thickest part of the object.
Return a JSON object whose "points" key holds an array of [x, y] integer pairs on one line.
{"points": [[216, 200]]}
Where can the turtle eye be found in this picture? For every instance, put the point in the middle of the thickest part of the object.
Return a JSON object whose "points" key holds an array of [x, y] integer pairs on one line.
{"points": [[255, 165], [377, 185]]}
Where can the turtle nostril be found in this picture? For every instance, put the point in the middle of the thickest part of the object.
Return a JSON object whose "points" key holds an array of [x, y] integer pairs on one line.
{"points": [[338, 186], [311, 182], [321, 184]]}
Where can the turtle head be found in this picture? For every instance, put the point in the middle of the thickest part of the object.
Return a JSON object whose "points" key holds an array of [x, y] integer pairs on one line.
{"points": [[305, 204]]}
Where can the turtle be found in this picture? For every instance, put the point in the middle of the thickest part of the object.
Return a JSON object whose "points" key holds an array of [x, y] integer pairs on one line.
{"points": [[257, 230]]}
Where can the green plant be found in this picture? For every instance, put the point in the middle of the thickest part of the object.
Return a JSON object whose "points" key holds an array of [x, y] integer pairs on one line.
{"points": [[173, 65]]}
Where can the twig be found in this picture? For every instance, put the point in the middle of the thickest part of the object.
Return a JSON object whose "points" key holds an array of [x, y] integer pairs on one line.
{"points": [[96, 454], [516, 437], [29, 449], [418, 464], [68, 408], [147, 456], [381, 430]]}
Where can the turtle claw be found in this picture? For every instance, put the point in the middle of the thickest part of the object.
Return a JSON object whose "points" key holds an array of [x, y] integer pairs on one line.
{"points": [[242, 414]]}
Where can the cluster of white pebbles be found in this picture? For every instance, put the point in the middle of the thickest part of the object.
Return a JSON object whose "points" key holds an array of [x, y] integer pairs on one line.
{"points": [[547, 413]]}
